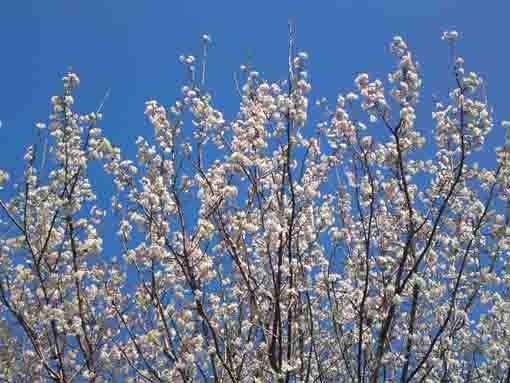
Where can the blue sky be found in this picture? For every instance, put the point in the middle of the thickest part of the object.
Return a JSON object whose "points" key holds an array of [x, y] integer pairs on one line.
{"points": [[133, 47]]}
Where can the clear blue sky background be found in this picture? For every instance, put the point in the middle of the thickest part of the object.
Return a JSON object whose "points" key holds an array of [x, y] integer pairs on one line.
{"points": [[132, 47]]}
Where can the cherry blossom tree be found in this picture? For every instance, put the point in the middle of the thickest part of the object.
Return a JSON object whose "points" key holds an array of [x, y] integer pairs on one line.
{"points": [[266, 248]]}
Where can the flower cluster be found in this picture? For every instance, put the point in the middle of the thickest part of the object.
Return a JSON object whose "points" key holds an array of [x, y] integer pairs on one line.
{"points": [[257, 250]]}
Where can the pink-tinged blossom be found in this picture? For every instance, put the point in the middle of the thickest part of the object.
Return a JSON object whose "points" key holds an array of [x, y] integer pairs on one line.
{"points": [[260, 249]]}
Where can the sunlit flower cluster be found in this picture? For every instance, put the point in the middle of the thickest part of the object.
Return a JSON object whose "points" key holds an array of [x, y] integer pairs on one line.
{"points": [[259, 249]]}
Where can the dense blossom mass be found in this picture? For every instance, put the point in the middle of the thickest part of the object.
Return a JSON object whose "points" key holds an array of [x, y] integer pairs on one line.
{"points": [[266, 247]]}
